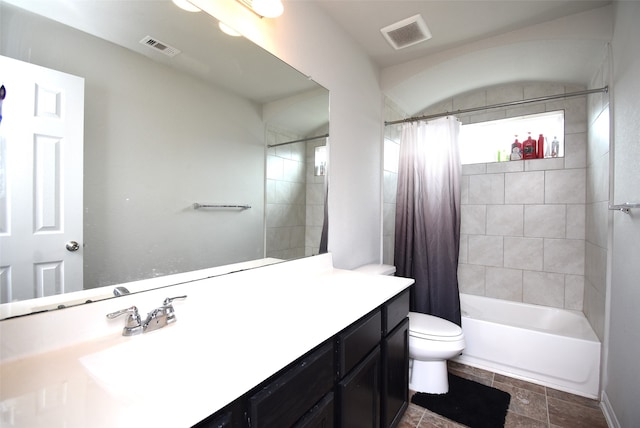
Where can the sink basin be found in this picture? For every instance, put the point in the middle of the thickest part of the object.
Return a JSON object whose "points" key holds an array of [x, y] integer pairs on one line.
{"points": [[144, 365]]}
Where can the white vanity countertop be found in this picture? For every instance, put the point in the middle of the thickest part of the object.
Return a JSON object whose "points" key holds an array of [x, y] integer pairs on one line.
{"points": [[232, 333]]}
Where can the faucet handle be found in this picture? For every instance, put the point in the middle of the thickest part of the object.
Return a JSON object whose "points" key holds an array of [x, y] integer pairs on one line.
{"points": [[169, 300], [168, 307], [133, 324]]}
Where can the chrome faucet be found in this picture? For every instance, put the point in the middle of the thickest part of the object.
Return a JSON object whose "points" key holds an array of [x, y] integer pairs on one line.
{"points": [[156, 319]]}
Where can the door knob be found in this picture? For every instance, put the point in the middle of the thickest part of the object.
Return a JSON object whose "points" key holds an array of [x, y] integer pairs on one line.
{"points": [[73, 246]]}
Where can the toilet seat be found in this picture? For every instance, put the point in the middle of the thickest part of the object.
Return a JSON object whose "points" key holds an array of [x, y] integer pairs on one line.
{"points": [[429, 327]]}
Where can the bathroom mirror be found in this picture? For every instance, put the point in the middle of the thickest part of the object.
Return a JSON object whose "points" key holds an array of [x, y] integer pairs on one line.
{"points": [[176, 113]]}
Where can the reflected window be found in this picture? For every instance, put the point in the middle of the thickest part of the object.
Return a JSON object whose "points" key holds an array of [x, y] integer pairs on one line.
{"points": [[320, 160]]}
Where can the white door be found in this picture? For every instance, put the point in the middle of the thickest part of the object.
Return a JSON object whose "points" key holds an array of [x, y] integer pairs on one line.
{"points": [[41, 154]]}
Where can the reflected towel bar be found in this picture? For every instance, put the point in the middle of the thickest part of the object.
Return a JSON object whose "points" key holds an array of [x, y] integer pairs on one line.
{"points": [[198, 206], [624, 207]]}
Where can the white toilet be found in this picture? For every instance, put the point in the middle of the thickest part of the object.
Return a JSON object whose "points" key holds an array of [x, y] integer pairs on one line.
{"points": [[432, 341]]}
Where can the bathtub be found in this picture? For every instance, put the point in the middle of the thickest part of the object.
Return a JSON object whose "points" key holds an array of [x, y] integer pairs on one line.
{"points": [[552, 347]]}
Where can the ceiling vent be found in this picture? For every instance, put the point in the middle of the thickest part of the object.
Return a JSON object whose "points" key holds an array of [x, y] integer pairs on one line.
{"points": [[160, 46], [407, 32]]}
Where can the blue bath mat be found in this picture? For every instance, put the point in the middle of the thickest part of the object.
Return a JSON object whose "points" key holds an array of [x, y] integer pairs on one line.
{"points": [[467, 402]]}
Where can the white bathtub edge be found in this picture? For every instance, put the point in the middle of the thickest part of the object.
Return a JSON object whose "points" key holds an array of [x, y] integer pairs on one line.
{"points": [[538, 380]]}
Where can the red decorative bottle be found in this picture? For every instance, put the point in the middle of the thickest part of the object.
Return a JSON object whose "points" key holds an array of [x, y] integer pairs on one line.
{"points": [[529, 148], [540, 149]]}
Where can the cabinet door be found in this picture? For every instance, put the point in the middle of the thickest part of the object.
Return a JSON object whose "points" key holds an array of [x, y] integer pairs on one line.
{"points": [[395, 374], [356, 341], [359, 394], [287, 398], [320, 416]]}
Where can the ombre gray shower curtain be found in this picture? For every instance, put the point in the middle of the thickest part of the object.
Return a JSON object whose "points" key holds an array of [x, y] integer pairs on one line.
{"points": [[427, 236]]}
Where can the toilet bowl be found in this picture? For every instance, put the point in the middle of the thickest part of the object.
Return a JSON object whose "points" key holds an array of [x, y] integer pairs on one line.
{"points": [[432, 341]]}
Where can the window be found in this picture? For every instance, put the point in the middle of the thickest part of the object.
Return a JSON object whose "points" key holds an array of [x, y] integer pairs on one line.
{"points": [[492, 141]]}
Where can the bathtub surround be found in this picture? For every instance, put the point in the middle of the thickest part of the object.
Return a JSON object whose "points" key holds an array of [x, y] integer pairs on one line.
{"points": [[522, 222], [428, 215]]}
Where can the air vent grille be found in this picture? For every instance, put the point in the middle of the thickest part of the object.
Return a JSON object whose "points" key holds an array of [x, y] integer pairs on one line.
{"points": [[407, 32], [160, 46]]}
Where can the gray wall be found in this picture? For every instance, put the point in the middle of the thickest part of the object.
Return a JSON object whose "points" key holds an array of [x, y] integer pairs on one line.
{"points": [[622, 376]]}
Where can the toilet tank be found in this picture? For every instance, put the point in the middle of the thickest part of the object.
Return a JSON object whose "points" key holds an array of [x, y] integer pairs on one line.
{"points": [[377, 269]]}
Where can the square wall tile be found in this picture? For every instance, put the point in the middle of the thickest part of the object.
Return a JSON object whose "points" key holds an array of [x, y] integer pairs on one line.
{"points": [[485, 250], [504, 220], [595, 309], [524, 187], [576, 221], [464, 190], [464, 249], [504, 284], [596, 266], [564, 256], [567, 186], [543, 288], [523, 253], [573, 292], [598, 180], [474, 168], [575, 115], [473, 219], [575, 150], [504, 93], [486, 189], [545, 221], [471, 279], [597, 223], [471, 100], [543, 164], [499, 167]]}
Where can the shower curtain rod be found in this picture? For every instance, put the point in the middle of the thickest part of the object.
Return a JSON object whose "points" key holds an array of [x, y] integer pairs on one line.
{"points": [[299, 141], [509, 104]]}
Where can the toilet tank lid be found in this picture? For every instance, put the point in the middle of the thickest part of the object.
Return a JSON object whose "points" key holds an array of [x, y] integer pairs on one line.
{"points": [[432, 326], [377, 269]]}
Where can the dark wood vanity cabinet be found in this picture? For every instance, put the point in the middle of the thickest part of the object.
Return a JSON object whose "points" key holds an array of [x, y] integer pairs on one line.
{"points": [[395, 355], [358, 378], [395, 374], [294, 393]]}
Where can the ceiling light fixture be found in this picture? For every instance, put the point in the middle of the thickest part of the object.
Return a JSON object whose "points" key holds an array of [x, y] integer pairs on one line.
{"points": [[264, 8], [186, 5]]}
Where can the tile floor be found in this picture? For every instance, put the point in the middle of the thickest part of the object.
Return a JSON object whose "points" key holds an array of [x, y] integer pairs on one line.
{"points": [[531, 406]]}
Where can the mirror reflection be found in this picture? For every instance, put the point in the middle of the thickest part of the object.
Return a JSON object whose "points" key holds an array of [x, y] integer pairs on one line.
{"points": [[172, 113]]}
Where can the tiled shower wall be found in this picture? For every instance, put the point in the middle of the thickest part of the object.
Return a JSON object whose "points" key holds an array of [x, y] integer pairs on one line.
{"points": [[285, 196], [598, 215], [523, 222], [294, 196], [315, 188]]}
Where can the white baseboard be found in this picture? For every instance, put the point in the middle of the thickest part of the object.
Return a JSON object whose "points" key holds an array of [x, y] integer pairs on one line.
{"points": [[609, 414]]}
